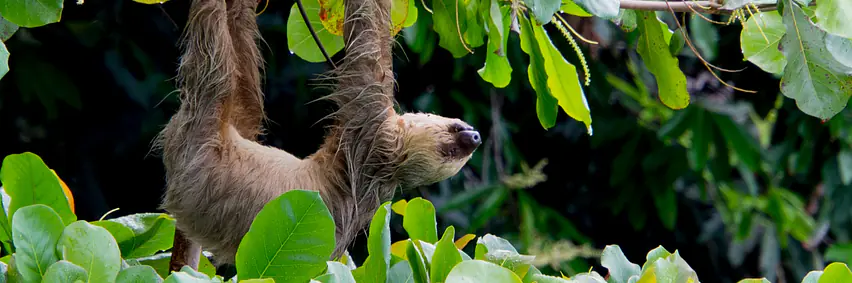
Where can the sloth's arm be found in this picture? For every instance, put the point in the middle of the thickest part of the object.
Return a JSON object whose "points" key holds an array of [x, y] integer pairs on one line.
{"points": [[248, 114]]}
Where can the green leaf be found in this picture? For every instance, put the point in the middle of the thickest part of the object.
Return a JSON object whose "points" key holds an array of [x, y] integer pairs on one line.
{"points": [[339, 273], [138, 274], [704, 36], [299, 39], [497, 69], [653, 47], [400, 10], [677, 42], [444, 15], [812, 277], [761, 280], [399, 207], [562, 80], [840, 48], [294, 229], [839, 252], [35, 231], [7, 29], [546, 106], [836, 272], [91, 247], [187, 275], [411, 18], [820, 85], [571, 8], [620, 268], [142, 234], [446, 256], [4, 60], [475, 270], [759, 41], [400, 272], [736, 4], [28, 181], [655, 254], [742, 143], [63, 271], [833, 17], [674, 269], [543, 10], [606, 9], [419, 220], [474, 31], [702, 129], [378, 245], [416, 262], [160, 263], [31, 13], [666, 203]]}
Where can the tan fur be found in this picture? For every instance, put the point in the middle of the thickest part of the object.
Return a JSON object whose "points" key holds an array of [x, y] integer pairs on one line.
{"points": [[219, 177]]}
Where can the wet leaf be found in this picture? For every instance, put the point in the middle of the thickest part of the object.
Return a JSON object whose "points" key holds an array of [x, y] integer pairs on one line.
{"points": [[475, 270], [35, 231]]}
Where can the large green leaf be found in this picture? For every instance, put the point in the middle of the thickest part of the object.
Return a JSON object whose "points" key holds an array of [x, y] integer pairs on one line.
{"points": [[31, 13], [754, 280], [475, 270], [378, 245], [64, 271], [759, 41], [620, 268], [497, 69], [293, 230], [836, 272], [833, 16], [138, 274], [444, 15], [474, 31], [92, 248], [820, 85], [141, 234], [28, 181], [299, 39], [546, 106], [654, 49], [606, 9], [419, 220], [418, 268], [543, 10], [562, 80], [7, 29], [446, 256], [35, 230]]}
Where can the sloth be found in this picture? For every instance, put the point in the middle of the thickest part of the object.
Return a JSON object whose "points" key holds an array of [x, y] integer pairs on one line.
{"points": [[218, 175]]}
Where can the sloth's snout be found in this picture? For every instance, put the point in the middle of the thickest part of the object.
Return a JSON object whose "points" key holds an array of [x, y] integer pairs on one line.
{"points": [[469, 140]]}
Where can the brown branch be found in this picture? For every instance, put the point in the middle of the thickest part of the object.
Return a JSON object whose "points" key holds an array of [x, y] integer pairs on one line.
{"points": [[686, 6]]}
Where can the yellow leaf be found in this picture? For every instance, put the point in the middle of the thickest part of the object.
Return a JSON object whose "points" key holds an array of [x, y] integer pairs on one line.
{"points": [[67, 191], [399, 248], [399, 207], [461, 242]]}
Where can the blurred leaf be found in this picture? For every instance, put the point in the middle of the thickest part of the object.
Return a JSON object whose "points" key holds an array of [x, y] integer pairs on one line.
{"points": [[562, 80], [620, 268], [666, 203], [272, 230], [675, 126], [819, 84], [7, 29], [742, 143], [606, 9], [546, 105], [653, 47], [704, 36], [489, 207], [701, 136], [31, 13], [419, 220], [839, 252], [378, 245], [420, 37], [543, 10], [677, 42], [63, 271], [449, 30], [299, 39], [674, 269], [497, 69], [445, 258], [30, 78], [35, 231], [92, 248], [836, 272], [474, 270], [735, 4], [29, 181], [474, 30], [833, 17], [840, 48], [628, 20]]}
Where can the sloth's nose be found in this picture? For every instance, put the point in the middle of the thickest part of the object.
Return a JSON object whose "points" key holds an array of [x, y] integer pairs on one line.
{"points": [[469, 140]]}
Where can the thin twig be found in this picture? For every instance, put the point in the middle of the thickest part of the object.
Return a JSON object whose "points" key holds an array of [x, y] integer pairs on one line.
{"points": [[708, 7], [314, 34]]}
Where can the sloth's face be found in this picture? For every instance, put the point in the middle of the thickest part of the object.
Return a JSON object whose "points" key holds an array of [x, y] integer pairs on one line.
{"points": [[434, 147]]}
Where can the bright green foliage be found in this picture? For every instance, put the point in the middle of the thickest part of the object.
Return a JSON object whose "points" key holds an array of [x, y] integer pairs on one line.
{"points": [[606, 9], [29, 181], [445, 258], [276, 227], [31, 13], [761, 280], [92, 248], [299, 39], [836, 272], [420, 221], [475, 271], [445, 13], [142, 234], [497, 69], [759, 41], [833, 17], [542, 10], [819, 83], [138, 274], [36, 230], [653, 46], [65, 271], [620, 268], [840, 48], [545, 106], [376, 266]]}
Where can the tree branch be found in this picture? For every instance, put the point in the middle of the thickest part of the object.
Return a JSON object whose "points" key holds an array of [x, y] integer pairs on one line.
{"points": [[710, 7]]}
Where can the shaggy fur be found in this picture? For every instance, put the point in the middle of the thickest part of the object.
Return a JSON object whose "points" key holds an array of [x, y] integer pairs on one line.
{"points": [[219, 177]]}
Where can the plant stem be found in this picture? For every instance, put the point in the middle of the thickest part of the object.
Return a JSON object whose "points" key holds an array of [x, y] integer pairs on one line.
{"points": [[710, 7]]}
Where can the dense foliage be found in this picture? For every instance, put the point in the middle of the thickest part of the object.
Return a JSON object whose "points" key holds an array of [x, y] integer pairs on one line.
{"points": [[44, 242]]}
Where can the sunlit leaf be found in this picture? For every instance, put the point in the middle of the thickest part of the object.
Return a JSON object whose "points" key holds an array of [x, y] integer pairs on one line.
{"points": [[399, 14], [299, 39], [543, 10], [497, 69], [31, 13], [378, 245], [331, 13], [475, 270], [419, 220], [64, 271], [141, 234], [445, 258], [92, 248], [399, 207], [474, 31], [606, 9], [836, 272], [546, 106], [833, 16], [339, 273], [445, 13], [275, 228], [28, 181], [416, 262], [763, 51], [569, 7], [653, 47], [35, 231], [138, 274], [820, 85]]}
